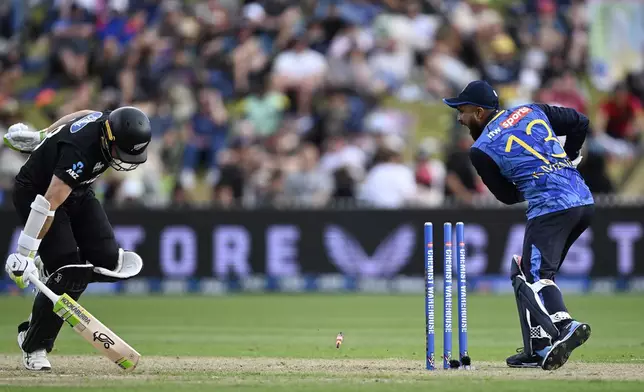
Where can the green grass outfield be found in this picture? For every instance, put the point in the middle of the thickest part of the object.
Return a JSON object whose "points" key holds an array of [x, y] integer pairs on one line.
{"points": [[282, 342]]}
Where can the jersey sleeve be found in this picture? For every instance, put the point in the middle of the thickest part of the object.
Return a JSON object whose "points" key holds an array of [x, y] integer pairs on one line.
{"points": [[505, 191], [570, 123], [71, 166]]}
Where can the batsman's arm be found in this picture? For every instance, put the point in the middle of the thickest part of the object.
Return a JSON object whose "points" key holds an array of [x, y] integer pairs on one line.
{"points": [[67, 118], [68, 173], [505, 191], [41, 216], [570, 123], [56, 195]]}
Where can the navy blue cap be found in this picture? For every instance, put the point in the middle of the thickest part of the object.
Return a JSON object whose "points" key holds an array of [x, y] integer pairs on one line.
{"points": [[477, 93]]}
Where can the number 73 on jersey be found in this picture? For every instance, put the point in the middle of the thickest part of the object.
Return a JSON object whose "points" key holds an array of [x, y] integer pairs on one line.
{"points": [[514, 139]]}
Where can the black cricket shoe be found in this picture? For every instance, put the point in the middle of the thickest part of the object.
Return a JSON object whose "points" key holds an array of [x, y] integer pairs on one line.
{"points": [[572, 335], [524, 360]]}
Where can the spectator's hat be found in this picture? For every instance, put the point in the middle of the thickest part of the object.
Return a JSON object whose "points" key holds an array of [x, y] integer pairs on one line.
{"points": [[477, 93]]}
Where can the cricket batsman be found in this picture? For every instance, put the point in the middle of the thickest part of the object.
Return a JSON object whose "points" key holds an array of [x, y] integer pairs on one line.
{"points": [[518, 156], [67, 239]]}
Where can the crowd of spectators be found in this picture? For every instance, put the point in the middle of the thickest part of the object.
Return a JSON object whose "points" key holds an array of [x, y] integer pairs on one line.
{"points": [[285, 102]]}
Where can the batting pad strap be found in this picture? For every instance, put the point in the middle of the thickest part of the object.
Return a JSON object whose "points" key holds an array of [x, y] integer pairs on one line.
{"points": [[560, 316], [42, 206], [27, 242], [540, 284]]}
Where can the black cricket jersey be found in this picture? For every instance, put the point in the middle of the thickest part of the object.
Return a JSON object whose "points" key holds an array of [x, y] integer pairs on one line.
{"points": [[72, 152]]}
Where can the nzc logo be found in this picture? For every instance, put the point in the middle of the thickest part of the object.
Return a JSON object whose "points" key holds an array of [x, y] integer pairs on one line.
{"points": [[80, 124]]}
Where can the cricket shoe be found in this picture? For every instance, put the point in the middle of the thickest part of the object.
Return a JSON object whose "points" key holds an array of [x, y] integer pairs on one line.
{"points": [[524, 360], [36, 360], [572, 336]]}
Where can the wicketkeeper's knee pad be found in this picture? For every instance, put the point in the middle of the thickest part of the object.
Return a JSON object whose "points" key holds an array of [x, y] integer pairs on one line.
{"points": [[128, 265]]}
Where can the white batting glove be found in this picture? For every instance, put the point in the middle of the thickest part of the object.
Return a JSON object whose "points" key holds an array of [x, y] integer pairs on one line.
{"points": [[577, 160], [21, 138], [19, 267]]}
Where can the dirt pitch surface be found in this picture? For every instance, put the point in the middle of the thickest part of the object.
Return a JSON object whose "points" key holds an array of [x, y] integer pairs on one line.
{"points": [[75, 370]]}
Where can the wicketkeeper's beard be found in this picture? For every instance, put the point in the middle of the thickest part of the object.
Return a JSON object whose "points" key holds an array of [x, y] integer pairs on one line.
{"points": [[475, 131]]}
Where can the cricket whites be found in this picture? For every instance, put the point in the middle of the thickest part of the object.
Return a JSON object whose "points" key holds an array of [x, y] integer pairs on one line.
{"points": [[90, 328]]}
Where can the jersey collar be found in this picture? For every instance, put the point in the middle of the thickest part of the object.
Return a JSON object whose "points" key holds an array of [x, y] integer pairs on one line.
{"points": [[493, 117]]}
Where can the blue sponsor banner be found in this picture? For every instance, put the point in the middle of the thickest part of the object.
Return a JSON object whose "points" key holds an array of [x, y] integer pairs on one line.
{"points": [[218, 252]]}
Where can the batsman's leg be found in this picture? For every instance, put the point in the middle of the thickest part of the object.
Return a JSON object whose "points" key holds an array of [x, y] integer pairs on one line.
{"points": [[94, 235]]}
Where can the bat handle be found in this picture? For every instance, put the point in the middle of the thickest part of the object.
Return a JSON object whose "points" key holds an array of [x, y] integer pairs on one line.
{"points": [[43, 288]]}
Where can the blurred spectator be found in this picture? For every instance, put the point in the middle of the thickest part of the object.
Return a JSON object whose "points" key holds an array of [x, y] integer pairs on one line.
{"points": [[390, 183], [564, 91], [273, 194], [619, 123], [391, 63], [300, 70], [71, 34], [502, 68], [207, 132], [339, 154], [10, 161], [309, 186], [462, 184], [430, 173], [248, 56], [263, 108], [444, 69]]}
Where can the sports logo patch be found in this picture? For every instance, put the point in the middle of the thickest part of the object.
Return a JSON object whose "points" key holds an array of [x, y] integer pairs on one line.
{"points": [[80, 124], [515, 117], [98, 167], [76, 170], [493, 133], [139, 146]]}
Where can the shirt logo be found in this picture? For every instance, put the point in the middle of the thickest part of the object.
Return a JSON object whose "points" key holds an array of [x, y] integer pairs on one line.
{"points": [[493, 133], [72, 174], [80, 124], [76, 170], [139, 146], [98, 167], [515, 117]]}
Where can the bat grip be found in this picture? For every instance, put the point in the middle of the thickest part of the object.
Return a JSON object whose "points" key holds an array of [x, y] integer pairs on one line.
{"points": [[43, 288]]}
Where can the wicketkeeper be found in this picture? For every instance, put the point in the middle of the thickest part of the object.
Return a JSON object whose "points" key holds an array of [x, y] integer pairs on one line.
{"points": [[519, 157]]}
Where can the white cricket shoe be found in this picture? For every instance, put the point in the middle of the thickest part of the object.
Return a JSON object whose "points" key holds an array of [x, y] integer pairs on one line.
{"points": [[36, 360]]}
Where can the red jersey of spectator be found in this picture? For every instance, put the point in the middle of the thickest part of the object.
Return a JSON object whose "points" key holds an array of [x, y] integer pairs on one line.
{"points": [[564, 91], [620, 117], [568, 99]]}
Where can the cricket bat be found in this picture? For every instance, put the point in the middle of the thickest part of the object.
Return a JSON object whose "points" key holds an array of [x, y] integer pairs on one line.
{"points": [[90, 328]]}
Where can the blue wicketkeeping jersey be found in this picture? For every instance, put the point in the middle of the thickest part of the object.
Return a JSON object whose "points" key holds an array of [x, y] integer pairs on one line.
{"points": [[522, 143]]}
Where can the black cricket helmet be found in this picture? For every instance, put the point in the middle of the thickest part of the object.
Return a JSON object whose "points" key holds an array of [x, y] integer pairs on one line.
{"points": [[126, 136]]}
